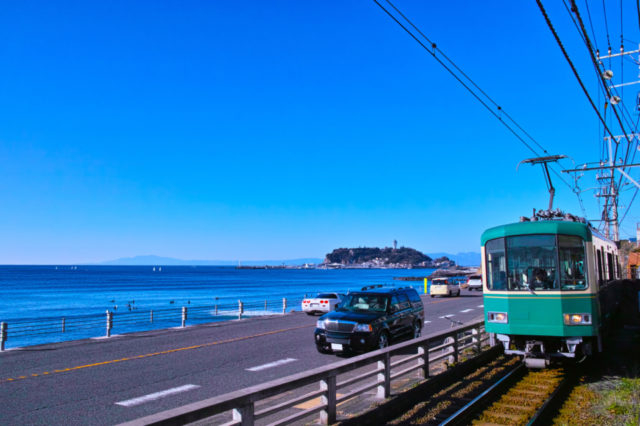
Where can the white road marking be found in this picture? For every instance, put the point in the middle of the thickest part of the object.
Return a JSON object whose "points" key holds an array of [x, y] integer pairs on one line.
{"points": [[480, 306], [447, 316], [466, 310], [271, 364], [427, 322], [156, 395]]}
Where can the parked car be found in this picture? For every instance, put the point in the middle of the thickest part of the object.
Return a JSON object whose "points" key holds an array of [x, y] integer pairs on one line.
{"points": [[444, 287], [322, 303], [370, 319], [475, 282]]}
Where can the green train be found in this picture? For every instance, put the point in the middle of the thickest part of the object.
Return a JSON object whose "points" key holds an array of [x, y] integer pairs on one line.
{"points": [[548, 286]]}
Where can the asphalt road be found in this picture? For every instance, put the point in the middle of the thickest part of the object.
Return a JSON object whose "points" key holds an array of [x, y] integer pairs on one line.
{"points": [[107, 381]]}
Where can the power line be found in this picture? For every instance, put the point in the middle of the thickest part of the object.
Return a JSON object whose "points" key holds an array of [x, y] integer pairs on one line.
{"points": [[573, 68], [586, 3], [606, 24], [466, 76], [574, 8], [432, 51], [456, 77]]}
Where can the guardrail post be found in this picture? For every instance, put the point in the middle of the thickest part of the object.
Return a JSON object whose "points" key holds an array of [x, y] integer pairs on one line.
{"points": [[477, 339], [424, 360], [328, 415], [384, 377], [3, 335], [240, 309], [151, 316], [284, 305], [109, 322], [449, 349], [184, 316], [265, 306], [63, 325], [455, 348], [244, 414]]}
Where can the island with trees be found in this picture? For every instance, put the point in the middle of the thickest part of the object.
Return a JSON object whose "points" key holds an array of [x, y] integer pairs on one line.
{"points": [[374, 257]]}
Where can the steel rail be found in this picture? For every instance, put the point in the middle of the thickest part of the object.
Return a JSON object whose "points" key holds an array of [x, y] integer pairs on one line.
{"points": [[465, 414]]}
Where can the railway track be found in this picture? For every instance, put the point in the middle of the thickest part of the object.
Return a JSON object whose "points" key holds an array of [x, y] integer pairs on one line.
{"points": [[456, 394], [502, 392], [521, 397]]}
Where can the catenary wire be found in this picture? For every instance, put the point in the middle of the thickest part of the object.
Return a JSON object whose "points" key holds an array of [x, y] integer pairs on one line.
{"points": [[573, 68], [593, 33], [593, 59], [606, 24], [466, 86], [465, 75]]}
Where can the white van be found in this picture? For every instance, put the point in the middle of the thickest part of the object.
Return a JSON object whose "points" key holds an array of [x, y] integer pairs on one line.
{"points": [[444, 287], [475, 282]]}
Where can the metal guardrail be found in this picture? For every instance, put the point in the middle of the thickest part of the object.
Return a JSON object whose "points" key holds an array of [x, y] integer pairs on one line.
{"points": [[428, 349], [84, 326]]}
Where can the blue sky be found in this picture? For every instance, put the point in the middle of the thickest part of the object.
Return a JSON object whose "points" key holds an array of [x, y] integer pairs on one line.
{"points": [[273, 130]]}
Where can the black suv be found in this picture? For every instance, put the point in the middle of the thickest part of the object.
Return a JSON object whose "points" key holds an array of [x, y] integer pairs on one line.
{"points": [[369, 319]]}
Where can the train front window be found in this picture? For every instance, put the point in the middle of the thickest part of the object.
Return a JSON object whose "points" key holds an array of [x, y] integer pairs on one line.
{"points": [[571, 254], [532, 262]]}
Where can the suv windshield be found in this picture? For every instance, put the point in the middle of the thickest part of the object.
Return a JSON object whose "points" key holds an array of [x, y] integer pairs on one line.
{"points": [[364, 302]]}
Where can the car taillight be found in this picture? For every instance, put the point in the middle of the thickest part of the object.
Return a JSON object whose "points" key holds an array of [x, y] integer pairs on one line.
{"points": [[325, 301], [305, 301]]}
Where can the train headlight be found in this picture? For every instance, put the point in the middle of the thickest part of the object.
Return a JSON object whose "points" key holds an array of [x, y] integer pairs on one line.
{"points": [[577, 319], [499, 317], [320, 324]]}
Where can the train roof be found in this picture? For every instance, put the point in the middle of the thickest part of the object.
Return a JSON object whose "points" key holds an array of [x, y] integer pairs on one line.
{"points": [[539, 227]]}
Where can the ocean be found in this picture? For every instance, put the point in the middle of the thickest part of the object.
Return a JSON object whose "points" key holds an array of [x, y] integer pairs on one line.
{"points": [[35, 299]]}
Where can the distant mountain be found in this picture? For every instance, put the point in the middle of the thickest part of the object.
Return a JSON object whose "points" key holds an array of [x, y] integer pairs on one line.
{"points": [[469, 258], [152, 260]]}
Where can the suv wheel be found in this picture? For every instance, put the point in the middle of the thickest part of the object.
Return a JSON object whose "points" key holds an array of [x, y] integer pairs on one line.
{"points": [[417, 330], [324, 349], [383, 340]]}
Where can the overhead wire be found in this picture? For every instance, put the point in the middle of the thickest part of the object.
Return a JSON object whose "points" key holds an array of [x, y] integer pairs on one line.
{"points": [[571, 65], [593, 33], [629, 140], [585, 38], [435, 47], [484, 103], [606, 24]]}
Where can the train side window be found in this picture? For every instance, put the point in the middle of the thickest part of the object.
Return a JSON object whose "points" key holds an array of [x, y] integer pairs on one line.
{"points": [[571, 252], [599, 257], [496, 264], [610, 267], [618, 273]]}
